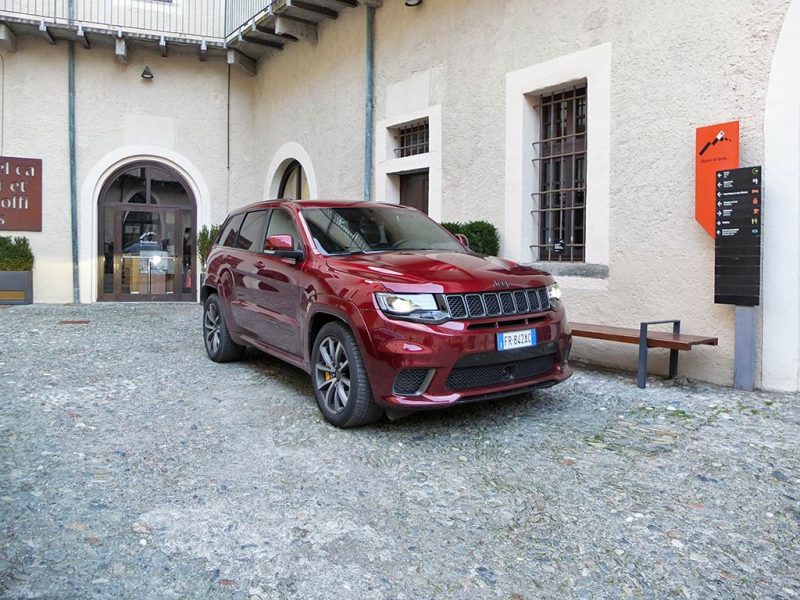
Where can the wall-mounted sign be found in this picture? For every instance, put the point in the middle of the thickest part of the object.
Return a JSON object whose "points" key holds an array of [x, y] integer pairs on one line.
{"points": [[716, 148], [20, 194], [737, 264]]}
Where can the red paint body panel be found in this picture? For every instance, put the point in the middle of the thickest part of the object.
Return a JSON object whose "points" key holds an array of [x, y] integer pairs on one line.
{"points": [[272, 303]]}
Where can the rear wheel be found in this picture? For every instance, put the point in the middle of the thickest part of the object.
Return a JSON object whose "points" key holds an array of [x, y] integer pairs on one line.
{"points": [[341, 386], [220, 347]]}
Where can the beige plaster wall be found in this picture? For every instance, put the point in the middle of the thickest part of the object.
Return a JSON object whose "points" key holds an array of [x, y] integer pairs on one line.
{"points": [[182, 112], [36, 126], [672, 71], [313, 94]]}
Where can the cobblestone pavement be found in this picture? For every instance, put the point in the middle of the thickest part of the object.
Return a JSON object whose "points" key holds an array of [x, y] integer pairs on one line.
{"points": [[133, 467]]}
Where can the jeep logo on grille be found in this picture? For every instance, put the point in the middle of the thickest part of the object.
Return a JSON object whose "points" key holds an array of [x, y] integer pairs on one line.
{"points": [[501, 284]]}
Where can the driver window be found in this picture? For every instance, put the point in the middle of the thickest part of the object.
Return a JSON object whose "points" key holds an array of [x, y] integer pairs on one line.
{"points": [[281, 223]]}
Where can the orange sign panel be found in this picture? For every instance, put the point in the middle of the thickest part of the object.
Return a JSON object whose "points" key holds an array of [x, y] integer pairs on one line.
{"points": [[716, 149]]}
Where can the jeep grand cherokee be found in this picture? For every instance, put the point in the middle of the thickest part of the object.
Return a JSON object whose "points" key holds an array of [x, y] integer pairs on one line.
{"points": [[383, 308]]}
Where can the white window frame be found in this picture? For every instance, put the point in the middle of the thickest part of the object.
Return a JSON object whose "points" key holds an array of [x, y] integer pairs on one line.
{"points": [[593, 66], [388, 168]]}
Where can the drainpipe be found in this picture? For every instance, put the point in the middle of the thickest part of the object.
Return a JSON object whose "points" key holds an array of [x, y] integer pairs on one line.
{"points": [[368, 117], [73, 174]]}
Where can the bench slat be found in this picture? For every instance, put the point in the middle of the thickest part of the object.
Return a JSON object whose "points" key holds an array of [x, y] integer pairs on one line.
{"points": [[655, 339]]}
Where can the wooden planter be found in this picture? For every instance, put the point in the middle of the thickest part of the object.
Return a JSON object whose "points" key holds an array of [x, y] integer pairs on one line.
{"points": [[16, 287]]}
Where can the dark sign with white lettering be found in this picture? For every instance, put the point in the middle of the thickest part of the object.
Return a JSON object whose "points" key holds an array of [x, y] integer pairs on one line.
{"points": [[737, 268], [20, 194]]}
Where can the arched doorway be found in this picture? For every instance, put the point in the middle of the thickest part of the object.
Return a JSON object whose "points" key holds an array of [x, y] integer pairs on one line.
{"points": [[294, 183], [146, 236]]}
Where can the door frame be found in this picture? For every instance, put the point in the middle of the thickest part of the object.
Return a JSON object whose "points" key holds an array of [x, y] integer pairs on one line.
{"points": [[120, 207]]}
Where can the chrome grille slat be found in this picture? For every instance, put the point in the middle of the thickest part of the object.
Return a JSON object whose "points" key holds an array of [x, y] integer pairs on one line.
{"points": [[507, 302], [521, 300], [495, 304], [475, 305], [492, 303], [457, 306]]}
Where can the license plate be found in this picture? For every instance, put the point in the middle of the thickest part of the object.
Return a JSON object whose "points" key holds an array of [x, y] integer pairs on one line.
{"points": [[516, 339]]}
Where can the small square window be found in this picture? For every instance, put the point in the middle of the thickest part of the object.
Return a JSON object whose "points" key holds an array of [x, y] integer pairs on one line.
{"points": [[413, 138]]}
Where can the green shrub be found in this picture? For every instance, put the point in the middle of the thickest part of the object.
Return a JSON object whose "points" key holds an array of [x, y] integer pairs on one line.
{"points": [[482, 235], [205, 238], [15, 254]]}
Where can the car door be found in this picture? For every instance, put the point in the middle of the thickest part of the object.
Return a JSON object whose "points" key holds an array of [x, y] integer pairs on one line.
{"points": [[249, 246], [279, 296]]}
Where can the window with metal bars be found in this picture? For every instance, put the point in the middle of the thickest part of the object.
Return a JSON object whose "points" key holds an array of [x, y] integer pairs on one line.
{"points": [[413, 138], [559, 204]]}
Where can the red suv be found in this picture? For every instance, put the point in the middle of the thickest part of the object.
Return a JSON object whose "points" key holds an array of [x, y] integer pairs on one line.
{"points": [[385, 309]]}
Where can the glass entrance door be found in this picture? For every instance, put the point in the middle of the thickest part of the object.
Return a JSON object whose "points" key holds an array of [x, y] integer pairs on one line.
{"points": [[148, 238], [150, 262]]}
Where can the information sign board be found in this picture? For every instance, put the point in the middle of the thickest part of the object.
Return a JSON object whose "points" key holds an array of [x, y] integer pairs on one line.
{"points": [[737, 264]]}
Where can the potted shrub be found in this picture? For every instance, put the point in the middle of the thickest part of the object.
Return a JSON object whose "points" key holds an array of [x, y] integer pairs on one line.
{"points": [[16, 271], [205, 238]]}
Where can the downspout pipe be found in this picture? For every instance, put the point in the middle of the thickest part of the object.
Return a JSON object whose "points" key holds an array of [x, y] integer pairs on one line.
{"points": [[73, 175], [369, 103], [73, 170]]}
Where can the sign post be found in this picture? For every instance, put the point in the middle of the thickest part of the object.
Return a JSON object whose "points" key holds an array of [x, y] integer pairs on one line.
{"points": [[737, 261]]}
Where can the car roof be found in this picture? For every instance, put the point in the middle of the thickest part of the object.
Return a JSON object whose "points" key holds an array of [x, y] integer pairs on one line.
{"points": [[300, 204]]}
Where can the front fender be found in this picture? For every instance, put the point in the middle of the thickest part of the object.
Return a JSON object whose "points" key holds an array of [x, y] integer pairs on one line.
{"points": [[344, 310]]}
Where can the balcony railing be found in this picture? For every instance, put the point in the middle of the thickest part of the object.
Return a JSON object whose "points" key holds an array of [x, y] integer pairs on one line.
{"points": [[240, 12], [185, 19]]}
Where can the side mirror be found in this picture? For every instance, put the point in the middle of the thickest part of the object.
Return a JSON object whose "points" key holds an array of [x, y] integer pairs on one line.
{"points": [[283, 246], [463, 239]]}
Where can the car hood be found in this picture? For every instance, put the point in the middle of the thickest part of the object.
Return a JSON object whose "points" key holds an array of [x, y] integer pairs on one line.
{"points": [[447, 272]]}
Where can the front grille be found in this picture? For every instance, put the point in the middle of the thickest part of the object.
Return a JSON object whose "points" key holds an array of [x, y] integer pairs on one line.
{"points": [[506, 372], [493, 304], [411, 382]]}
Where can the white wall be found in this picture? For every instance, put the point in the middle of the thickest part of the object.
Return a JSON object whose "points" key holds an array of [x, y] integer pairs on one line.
{"points": [[781, 278], [670, 72], [179, 118]]}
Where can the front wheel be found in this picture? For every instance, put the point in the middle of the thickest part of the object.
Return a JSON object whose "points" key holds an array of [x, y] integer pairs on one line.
{"points": [[341, 386], [220, 347]]}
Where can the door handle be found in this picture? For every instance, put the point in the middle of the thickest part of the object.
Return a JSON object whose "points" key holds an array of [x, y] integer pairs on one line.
{"points": [[259, 264]]}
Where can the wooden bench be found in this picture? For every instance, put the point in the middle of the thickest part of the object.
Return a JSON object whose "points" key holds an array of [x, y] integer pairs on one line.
{"points": [[674, 341]]}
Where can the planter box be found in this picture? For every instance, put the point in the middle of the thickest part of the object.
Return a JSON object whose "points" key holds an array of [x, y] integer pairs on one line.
{"points": [[16, 287]]}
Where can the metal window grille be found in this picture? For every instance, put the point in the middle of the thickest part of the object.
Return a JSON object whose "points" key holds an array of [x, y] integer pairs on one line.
{"points": [[413, 139], [559, 204]]}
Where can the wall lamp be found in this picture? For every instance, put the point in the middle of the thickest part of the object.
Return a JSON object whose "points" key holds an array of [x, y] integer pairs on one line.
{"points": [[413, 2], [147, 73]]}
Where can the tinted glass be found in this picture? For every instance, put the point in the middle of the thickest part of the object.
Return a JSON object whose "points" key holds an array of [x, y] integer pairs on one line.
{"points": [[229, 233], [252, 232], [376, 229]]}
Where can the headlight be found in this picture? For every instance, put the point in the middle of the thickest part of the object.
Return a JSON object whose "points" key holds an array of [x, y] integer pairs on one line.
{"points": [[411, 307], [553, 291]]}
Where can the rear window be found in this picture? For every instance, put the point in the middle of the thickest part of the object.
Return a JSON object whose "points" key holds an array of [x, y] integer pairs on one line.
{"points": [[252, 233], [231, 231]]}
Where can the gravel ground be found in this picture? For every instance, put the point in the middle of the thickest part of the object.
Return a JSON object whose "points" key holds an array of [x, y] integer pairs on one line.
{"points": [[131, 466]]}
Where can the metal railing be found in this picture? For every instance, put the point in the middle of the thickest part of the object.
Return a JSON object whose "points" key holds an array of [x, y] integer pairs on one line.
{"points": [[240, 12], [186, 19]]}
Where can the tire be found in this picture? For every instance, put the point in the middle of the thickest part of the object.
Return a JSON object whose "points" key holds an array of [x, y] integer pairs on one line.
{"points": [[220, 347], [341, 385]]}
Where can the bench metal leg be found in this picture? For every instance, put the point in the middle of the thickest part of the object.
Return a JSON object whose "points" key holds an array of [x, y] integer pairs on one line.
{"points": [[641, 374]]}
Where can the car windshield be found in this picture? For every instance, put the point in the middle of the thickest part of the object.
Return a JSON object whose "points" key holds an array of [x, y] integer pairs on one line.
{"points": [[375, 228]]}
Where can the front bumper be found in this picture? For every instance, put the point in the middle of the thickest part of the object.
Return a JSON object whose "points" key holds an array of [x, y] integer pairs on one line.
{"points": [[458, 361]]}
